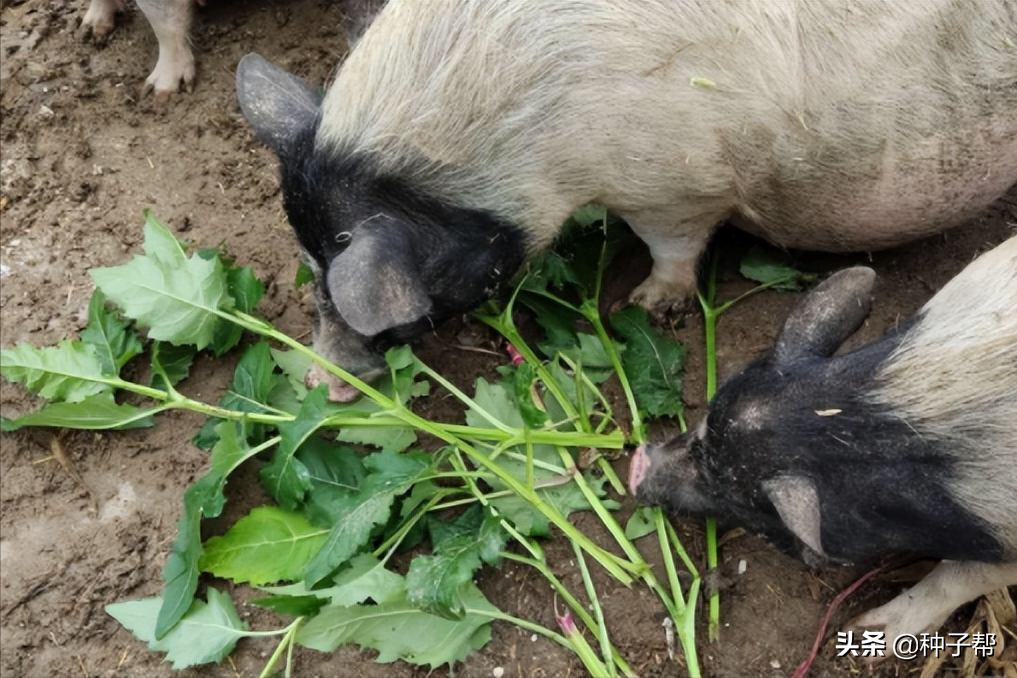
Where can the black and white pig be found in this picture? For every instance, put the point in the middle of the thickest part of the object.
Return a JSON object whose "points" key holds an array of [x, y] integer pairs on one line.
{"points": [[905, 445], [459, 135]]}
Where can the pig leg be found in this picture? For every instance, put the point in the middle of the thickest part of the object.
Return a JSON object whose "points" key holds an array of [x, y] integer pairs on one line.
{"points": [[170, 20], [926, 606], [100, 17], [675, 243]]}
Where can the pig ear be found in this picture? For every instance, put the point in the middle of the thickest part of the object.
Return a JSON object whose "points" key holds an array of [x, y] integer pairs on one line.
{"points": [[375, 283], [277, 104], [797, 503], [831, 313]]}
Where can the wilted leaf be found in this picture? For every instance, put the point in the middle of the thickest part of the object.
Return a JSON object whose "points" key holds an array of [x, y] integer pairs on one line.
{"points": [[69, 371], [397, 630], [97, 412], [206, 633]]}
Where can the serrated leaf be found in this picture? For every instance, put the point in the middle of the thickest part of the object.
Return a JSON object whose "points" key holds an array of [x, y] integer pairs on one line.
{"points": [[769, 265], [397, 630], [174, 296], [230, 450], [253, 380], [112, 339], [246, 290], [286, 479], [389, 475], [180, 572], [69, 371], [335, 473], [170, 364], [388, 439], [97, 412], [206, 633], [434, 583], [653, 362], [267, 545]]}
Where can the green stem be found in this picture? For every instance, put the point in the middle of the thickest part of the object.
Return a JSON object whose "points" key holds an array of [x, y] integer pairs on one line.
{"points": [[285, 645], [598, 612]]}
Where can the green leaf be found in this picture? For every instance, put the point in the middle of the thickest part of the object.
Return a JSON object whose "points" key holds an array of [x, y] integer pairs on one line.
{"points": [[389, 475], [294, 366], [230, 450], [253, 379], [268, 545], [434, 583], [388, 439], [70, 371], [286, 479], [591, 357], [175, 297], [653, 362], [397, 630], [97, 412], [170, 364], [335, 473], [206, 633], [364, 578], [112, 339], [204, 497], [246, 290], [245, 287], [641, 523], [566, 499], [296, 606], [304, 275], [769, 265], [524, 381]]}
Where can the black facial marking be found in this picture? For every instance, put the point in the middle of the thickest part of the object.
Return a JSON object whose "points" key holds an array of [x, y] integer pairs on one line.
{"points": [[463, 255], [883, 488]]}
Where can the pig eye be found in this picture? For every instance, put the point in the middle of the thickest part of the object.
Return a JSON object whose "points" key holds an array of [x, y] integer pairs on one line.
{"points": [[343, 237]]}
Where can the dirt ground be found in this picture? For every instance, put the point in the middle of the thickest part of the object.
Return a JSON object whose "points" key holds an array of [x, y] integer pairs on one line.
{"points": [[84, 152]]}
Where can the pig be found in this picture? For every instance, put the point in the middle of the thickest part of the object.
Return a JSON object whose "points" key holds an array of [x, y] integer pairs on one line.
{"points": [[170, 20], [458, 136], [905, 445]]}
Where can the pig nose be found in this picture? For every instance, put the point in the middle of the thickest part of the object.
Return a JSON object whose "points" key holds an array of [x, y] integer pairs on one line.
{"points": [[638, 467], [338, 390]]}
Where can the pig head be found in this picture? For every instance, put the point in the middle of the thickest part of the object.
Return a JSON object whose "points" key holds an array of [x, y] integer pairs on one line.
{"points": [[795, 448], [389, 264]]}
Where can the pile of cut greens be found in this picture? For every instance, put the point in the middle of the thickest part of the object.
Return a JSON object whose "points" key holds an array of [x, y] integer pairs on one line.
{"points": [[351, 483]]}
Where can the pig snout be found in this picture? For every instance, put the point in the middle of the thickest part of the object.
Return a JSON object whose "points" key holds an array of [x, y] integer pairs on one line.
{"points": [[338, 390], [638, 468]]}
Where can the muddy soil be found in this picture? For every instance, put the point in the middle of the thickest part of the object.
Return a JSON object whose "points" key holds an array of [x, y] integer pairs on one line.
{"points": [[84, 152]]}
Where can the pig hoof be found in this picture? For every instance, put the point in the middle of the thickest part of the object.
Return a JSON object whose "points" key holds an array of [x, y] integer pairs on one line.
{"points": [[172, 74], [100, 19], [662, 299]]}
